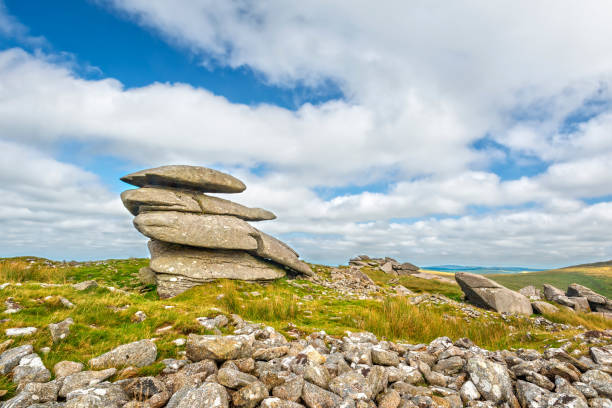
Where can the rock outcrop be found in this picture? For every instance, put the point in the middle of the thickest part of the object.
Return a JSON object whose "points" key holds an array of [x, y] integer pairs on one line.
{"points": [[195, 237], [487, 294]]}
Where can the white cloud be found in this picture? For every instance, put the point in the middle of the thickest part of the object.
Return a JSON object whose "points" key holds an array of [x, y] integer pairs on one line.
{"points": [[422, 83]]}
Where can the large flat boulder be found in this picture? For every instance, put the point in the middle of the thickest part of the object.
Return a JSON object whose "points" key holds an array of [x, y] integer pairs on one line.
{"points": [[164, 199], [195, 178], [179, 268], [198, 230], [271, 248], [488, 294]]}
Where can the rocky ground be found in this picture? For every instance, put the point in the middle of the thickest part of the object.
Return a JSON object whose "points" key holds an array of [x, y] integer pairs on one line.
{"points": [[342, 338]]}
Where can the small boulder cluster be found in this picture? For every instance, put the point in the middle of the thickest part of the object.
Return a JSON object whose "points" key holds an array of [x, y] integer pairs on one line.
{"points": [[196, 237], [387, 265], [258, 367], [580, 299]]}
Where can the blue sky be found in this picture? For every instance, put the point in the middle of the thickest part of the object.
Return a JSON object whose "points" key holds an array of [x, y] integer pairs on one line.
{"points": [[390, 134]]}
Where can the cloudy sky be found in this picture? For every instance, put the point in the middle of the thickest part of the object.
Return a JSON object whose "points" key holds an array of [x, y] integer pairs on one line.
{"points": [[465, 132]]}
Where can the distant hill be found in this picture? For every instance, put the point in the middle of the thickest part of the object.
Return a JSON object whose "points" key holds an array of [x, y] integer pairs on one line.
{"points": [[591, 265], [479, 269]]}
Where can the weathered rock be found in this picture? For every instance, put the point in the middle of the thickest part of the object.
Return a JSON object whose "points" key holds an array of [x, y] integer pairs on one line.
{"points": [[532, 396], [469, 392], [10, 358], [317, 397], [234, 379], [405, 268], [551, 292], [194, 178], [198, 230], [271, 248], [59, 331], [351, 385], [84, 379], [602, 355], [31, 369], [219, 348], [274, 402], [600, 381], [581, 304], [146, 276], [491, 379], [209, 395], [99, 395], [160, 199], [485, 293], [291, 390], [65, 368], [180, 268], [250, 395], [531, 292], [317, 375], [542, 307], [88, 284], [384, 357], [139, 354], [20, 331]]}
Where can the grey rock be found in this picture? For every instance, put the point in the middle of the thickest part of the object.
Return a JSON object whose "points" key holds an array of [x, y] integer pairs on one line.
{"points": [[234, 379], [542, 307], [274, 402], [88, 284], [84, 379], [180, 268], [197, 230], [146, 276], [532, 396], [219, 348], [468, 392], [351, 385], [209, 395], [271, 248], [377, 380], [491, 379], [20, 331], [31, 369], [250, 395], [485, 293], [540, 380], [602, 355], [194, 178], [291, 390], [317, 375], [384, 357], [317, 397], [10, 358], [160, 199], [585, 389], [449, 366], [59, 331], [600, 381], [138, 354], [594, 299], [531, 292], [562, 386], [551, 292], [600, 403], [143, 388], [581, 304], [65, 368]]}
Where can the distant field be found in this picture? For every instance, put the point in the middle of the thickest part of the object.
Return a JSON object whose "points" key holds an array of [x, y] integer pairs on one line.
{"points": [[597, 278]]}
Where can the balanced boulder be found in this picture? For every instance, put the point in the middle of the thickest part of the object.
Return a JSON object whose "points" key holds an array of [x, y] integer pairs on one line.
{"points": [[195, 237], [487, 294]]}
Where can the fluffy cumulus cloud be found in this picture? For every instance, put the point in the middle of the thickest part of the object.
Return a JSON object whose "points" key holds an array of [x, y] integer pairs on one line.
{"points": [[439, 101]]}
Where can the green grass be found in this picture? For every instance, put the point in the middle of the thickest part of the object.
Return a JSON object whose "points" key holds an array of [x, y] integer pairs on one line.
{"points": [[598, 280], [103, 318]]}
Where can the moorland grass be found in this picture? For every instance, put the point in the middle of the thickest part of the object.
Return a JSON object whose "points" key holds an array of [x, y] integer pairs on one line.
{"points": [[103, 318]]}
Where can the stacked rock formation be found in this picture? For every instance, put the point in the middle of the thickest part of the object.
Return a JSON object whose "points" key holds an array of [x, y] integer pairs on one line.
{"points": [[485, 293], [196, 237]]}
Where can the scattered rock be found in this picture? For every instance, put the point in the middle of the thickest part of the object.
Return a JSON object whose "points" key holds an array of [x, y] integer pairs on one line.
{"points": [[59, 331], [20, 331], [139, 354], [89, 284]]}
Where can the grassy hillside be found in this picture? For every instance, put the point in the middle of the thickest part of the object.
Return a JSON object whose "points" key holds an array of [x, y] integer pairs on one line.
{"points": [[103, 316], [598, 278]]}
